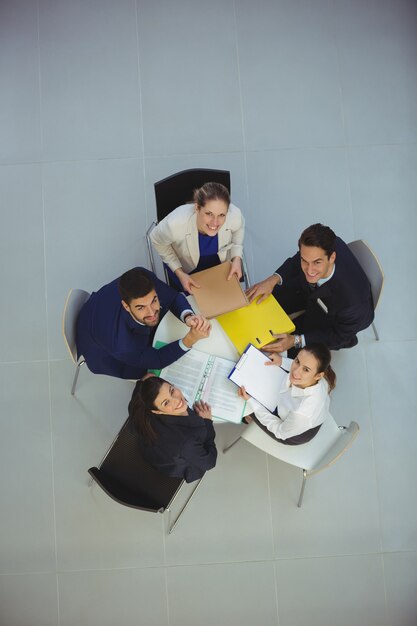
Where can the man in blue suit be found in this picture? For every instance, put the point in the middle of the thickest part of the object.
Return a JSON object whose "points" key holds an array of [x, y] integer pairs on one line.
{"points": [[325, 280], [116, 325]]}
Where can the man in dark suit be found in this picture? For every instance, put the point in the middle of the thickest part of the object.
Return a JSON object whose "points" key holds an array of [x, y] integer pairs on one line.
{"points": [[324, 280], [116, 325]]}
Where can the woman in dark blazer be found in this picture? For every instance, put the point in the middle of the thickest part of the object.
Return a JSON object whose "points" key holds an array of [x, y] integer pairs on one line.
{"points": [[175, 439]]}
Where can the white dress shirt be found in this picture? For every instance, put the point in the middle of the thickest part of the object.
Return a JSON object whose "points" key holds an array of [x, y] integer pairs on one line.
{"points": [[298, 409]]}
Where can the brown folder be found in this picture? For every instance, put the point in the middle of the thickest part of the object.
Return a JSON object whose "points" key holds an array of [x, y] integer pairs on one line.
{"points": [[216, 294]]}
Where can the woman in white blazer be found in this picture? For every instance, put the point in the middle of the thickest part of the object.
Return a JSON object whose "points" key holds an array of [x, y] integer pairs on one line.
{"points": [[200, 235], [304, 396]]}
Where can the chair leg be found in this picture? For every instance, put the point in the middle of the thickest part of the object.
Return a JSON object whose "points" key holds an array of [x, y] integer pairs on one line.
{"points": [[300, 499], [231, 445], [375, 332], [166, 274], [171, 528], [245, 273], [77, 371], [149, 245]]}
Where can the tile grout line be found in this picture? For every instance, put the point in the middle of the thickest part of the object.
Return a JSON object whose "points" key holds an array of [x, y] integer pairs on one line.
{"points": [[140, 114], [276, 592], [147, 221], [164, 526], [283, 148], [166, 595], [242, 118], [377, 491], [385, 587], [343, 118], [272, 537], [209, 564], [47, 319]]}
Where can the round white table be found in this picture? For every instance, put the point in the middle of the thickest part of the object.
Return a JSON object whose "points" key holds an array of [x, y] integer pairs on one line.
{"points": [[218, 343]]}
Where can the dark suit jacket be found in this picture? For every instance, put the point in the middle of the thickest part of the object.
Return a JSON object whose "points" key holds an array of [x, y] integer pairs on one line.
{"points": [[113, 343], [347, 297], [184, 447]]}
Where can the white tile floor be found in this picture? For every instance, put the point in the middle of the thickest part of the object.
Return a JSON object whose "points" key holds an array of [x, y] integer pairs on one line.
{"points": [[312, 107]]}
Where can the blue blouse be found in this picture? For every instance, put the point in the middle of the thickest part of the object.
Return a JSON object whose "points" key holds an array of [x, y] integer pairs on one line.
{"points": [[209, 247]]}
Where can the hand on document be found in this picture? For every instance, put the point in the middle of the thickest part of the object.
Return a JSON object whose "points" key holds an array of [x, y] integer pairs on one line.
{"points": [[236, 268], [242, 393], [274, 359], [203, 410], [263, 289], [186, 281], [285, 342]]}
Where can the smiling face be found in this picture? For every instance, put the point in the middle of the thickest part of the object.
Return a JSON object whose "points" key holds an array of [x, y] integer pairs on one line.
{"points": [[315, 263], [145, 310], [170, 401], [303, 371], [211, 217]]}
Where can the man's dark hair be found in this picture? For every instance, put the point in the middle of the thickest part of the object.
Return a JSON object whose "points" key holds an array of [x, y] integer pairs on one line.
{"points": [[135, 283], [318, 236]]}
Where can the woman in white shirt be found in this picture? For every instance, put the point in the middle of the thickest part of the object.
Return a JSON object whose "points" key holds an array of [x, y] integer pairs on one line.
{"points": [[201, 234], [304, 395]]}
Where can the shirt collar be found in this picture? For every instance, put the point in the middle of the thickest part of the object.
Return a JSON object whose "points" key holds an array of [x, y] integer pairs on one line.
{"points": [[297, 392], [137, 323], [321, 281]]}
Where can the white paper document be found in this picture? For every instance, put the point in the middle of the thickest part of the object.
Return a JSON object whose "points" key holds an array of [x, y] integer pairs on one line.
{"points": [[262, 382], [205, 377]]}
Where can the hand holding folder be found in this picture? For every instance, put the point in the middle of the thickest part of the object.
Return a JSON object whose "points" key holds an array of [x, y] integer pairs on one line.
{"points": [[260, 381], [216, 294], [256, 323]]}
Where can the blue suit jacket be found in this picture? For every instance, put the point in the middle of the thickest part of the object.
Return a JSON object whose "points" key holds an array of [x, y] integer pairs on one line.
{"points": [[184, 447], [346, 296], [112, 343]]}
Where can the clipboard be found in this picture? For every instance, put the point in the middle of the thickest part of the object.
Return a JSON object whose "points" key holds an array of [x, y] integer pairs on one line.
{"points": [[262, 382], [216, 294], [255, 323]]}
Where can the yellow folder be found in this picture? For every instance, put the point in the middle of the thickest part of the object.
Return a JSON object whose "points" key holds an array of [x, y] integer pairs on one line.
{"points": [[255, 323]]}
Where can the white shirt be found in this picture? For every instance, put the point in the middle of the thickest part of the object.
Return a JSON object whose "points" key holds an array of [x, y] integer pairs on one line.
{"points": [[298, 409], [182, 316]]}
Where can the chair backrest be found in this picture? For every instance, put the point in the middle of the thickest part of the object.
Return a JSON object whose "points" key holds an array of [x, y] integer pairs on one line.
{"points": [[370, 265], [339, 447], [75, 300], [177, 189], [329, 443], [129, 480]]}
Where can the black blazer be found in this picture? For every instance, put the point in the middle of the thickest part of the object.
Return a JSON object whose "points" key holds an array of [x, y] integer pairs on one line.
{"points": [[184, 446], [345, 305]]}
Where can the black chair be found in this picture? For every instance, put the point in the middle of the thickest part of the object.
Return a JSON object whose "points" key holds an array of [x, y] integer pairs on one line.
{"points": [[177, 189], [129, 480]]}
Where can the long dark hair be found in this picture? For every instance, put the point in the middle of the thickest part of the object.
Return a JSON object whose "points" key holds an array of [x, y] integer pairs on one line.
{"points": [[323, 357], [142, 404]]}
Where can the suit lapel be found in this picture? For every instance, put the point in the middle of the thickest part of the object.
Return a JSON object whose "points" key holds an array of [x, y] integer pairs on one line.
{"points": [[191, 238]]}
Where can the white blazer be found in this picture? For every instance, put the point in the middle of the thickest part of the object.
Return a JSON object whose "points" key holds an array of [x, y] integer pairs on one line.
{"points": [[175, 238], [298, 409]]}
